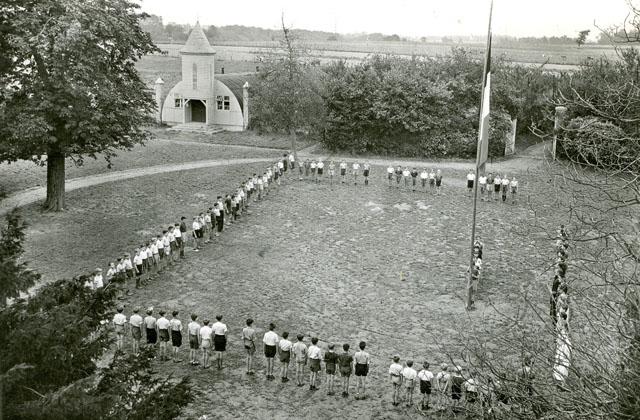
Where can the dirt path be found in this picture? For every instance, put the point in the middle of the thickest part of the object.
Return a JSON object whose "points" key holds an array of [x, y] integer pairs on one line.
{"points": [[31, 195]]}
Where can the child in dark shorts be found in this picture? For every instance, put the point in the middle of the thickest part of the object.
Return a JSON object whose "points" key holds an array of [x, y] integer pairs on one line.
{"points": [[425, 376], [361, 359], [345, 361], [414, 178], [330, 360]]}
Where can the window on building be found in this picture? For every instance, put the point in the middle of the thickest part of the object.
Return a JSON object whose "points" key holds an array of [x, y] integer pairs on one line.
{"points": [[177, 103], [195, 76], [227, 103], [219, 102]]}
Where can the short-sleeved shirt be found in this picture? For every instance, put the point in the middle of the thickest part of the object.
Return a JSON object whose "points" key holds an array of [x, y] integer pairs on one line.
{"points": [[409, 373], [320, 165], [424, 175], [163, 323], [356, 166], [119, 319], [206, 332], [314, 352], [390, 170], [177, 233], [219, 328], [313, 165], [299, 350], [425, 375], [330, 358], [175, 324], [482, 180], [150, 322], [406, 173], [505, 182], [194, 328], [285, 345], [395, 369], [137, 260], [135, 320], [270, 338], [414, 174], [471, 177]]}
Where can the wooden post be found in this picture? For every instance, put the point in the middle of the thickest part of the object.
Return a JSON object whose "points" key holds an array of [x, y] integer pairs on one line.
{"points": [[560, 112]]}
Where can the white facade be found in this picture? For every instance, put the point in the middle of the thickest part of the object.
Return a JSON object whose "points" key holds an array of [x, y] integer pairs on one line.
{"points": [[199, 97]]}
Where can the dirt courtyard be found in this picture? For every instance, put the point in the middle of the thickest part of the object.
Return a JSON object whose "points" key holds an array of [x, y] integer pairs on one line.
{"points": [[345, 264]]}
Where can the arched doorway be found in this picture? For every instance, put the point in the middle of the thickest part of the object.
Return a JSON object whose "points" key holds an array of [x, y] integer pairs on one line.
{"points": [[198, 111]]}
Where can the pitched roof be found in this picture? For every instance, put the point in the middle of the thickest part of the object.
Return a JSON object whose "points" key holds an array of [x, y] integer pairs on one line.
{"points": [[235, 83], [197, 43]]}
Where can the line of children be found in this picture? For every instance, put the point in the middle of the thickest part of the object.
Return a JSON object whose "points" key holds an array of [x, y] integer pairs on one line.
{"points": [[314, 169]]}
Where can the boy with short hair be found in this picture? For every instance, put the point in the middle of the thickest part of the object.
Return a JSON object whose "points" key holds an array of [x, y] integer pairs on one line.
{"points": [[332, 172], [176, 335], [193, 329], [195, 225], [183, 235], [137, 261], [320, 167], [207, 226], [505, 188], [249, 341], [300, 355], [119, 320], [128, 266], [425, 376], [343, 171], [161, 253], [173, 245], [166, 241], [356, 170], [270, 341], [514, 189], [390, 172], [414, 178], [438, 182], [406, 173], [330, 360], [151, 328], [135, 323], [395, 374], [471, 177], [482, 183], [284, 351], [490, 186], [424, 176], [219, 339], [366, 169], [442, 385], [432, 181], [313, 170], [361, 359], [497, 183], [206, 334], [177, 234], [345, 362], [398, 175], [409, 375], [307, 167], [315, 355], [219, 218], [163, 333]]}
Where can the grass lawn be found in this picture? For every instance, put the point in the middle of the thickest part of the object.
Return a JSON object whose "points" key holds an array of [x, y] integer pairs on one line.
{"points": [[345, 264], [23, 174]]}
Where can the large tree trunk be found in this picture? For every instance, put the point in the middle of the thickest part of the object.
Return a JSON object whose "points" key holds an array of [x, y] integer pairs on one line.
{"points": [[55, 181]]}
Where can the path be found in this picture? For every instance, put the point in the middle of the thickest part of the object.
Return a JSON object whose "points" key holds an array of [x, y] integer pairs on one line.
{"points": [[531, 157], [31, 195]]}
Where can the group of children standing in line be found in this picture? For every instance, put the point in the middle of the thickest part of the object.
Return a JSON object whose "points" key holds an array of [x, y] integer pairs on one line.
{"points": [[164, 250], [493, 187], [314, 169], [410, 178], [164, 332]]}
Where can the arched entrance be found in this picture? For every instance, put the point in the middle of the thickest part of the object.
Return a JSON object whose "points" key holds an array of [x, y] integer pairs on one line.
{"points": [[198, 111]]}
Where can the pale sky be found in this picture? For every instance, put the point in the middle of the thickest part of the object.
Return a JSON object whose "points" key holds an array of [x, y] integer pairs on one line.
{"points": [[413, 18]]}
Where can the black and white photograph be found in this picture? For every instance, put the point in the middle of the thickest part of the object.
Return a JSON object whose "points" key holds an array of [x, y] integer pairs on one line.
{"points": [[420, 209]]}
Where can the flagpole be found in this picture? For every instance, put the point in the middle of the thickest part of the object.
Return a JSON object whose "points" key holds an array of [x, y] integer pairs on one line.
{"points": [[469, 301]]}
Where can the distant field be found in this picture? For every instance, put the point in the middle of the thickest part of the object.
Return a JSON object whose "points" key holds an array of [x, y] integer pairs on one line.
{"points": [[553, 54]]}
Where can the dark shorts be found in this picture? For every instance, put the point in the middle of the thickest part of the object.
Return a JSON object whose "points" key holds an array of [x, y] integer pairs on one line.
{"points": [[164, 335], [320, 171], [425, 387], [431, 181], [390, 176], [343, 171], [219, 342], [314, 365], [345, 370], [366, 172], [496, 188], [456, 392], [423, 181], [362, 369], [152, 336], [130, 273], [139, 270], [199, 233], [413, 181], [331, 368], [176, 338], [136, 332], [193, 342], [270, 351], [285, 356], [161, 253], [438, 183], [469, 183]]}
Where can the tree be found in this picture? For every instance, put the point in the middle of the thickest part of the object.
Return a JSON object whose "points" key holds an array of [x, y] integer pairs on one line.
{"points": [[287, 92], [72, 89], [582, 37], [15, 276]]}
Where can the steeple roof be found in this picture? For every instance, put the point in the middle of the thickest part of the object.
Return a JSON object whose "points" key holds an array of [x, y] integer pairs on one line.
{"points": [[197, 42]]}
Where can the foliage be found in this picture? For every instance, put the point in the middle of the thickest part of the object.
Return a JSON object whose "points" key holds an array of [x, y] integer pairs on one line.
{"points": [[15, 276], [582, 37], [418, 107], [72, 89]]}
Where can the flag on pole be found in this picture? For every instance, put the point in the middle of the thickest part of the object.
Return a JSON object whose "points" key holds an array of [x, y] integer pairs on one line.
{"points": [[483, 132]]}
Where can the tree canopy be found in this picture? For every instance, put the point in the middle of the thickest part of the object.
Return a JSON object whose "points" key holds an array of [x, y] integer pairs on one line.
{"points": [[71, 88]]}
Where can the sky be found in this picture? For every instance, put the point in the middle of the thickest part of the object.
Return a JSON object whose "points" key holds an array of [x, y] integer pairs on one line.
{"points": [[410, 18]]}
